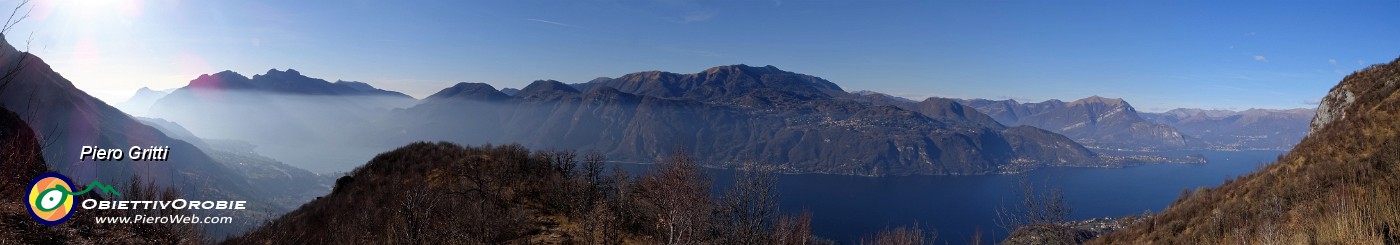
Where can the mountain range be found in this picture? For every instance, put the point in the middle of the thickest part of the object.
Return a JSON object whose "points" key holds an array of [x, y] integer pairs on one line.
{"points": [[726, 114], [1253, 129], [1113, 124], [286, 115], [763, 109], [1095, 121]]}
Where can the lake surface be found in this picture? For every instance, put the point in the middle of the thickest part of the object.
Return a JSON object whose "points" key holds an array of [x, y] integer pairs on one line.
{"points": [[845, 208]]}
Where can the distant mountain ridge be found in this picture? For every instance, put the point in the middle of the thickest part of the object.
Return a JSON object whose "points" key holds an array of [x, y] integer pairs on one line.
{"points": [[271, 109], [721, 82], [290, 82], [141, 102], [730, 114], [1114, 124], [469, 91], [1094, 121], [1253, 129]]}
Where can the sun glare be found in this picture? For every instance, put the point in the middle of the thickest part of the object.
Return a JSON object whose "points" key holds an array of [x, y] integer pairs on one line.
{"points": [[91, 9]]}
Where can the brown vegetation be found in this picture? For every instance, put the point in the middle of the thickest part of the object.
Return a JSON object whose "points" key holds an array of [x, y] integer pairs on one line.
{"points": [[903, 235], [429, 193], [1038, 217], [1340, 185]]}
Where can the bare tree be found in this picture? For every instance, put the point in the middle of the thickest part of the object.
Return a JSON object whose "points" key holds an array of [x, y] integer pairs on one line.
{"points": [[793, 230], [903, 235], [564, 162], [624, 200], [593, 167], [600, 225], [21, 62], [750, 207], [415, 209], [681, 193], [15, 18], [1043, 212], [976, 236], [593, 175]]}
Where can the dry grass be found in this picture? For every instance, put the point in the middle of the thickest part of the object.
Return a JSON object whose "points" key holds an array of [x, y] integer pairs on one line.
{"points": [[1338, 186]]}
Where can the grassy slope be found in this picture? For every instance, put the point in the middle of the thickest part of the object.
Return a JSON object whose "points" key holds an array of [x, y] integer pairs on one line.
{"points": [[1339, 185]]}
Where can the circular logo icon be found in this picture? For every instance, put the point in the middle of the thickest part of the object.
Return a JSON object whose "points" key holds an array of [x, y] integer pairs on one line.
{"points": [[50, 201]]}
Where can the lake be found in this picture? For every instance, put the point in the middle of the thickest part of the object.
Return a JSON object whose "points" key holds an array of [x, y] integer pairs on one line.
{"points": [[845, 208]]}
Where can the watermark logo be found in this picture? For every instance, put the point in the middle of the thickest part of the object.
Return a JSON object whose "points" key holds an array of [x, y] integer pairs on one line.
{"points": [[50, 198]]}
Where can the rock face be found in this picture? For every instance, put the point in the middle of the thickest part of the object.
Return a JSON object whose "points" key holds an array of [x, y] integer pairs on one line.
{"points": [[732, 114], [1333, 107], [1094, 121]]}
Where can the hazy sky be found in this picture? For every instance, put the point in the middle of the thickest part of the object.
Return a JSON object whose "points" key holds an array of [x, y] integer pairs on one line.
{"points": [[1160, 55]]}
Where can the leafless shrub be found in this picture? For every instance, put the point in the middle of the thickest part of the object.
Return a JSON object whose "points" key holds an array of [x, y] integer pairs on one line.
{"points": [[681, 193], [903, 235], [793, 230], [748, 209]]}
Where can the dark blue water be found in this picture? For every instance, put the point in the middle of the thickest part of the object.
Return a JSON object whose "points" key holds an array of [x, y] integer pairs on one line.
{"points": [[846, 208]]}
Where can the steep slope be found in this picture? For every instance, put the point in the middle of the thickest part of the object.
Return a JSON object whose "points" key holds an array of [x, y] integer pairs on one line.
{"points": [[72, 119], [1253, 129], [65, 119], [1094, 121], [1337, 186], [22, 160], [20, 157], [732, 114]]}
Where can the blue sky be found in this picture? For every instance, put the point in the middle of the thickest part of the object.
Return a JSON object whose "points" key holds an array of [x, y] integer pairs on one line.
{"points": [[1158, 55]]}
